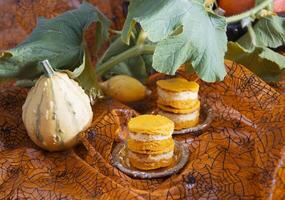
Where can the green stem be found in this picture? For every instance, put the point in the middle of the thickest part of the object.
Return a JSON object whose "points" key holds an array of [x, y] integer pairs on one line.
{"points": [[248, 13], [116, 31], [132, 52], [252, 34], [141, 38]]}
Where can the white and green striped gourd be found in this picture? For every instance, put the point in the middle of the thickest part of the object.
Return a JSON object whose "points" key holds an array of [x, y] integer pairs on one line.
{"points": [[56, 111]]}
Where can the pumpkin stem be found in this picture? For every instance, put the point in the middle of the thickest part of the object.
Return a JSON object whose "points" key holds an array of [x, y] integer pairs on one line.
{"points": [[48, 70]]}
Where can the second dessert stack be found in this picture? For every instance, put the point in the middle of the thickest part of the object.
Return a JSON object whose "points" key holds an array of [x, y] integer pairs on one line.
{"points": [[178, 101]]}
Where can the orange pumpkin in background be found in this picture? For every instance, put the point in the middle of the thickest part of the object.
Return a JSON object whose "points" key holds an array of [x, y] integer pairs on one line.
{"points": [[234, 7]]}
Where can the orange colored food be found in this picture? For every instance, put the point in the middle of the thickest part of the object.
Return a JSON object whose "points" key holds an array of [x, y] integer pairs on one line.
{"points": [[151, 147], [151, 124], [178, 85], [182, 104], [186, 124], [141, 164], [194, 107], [181, 124], [178, 100]]}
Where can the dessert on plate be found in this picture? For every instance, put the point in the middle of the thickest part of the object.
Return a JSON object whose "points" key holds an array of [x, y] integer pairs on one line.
{"points": [[178, 101], [150, 144]]}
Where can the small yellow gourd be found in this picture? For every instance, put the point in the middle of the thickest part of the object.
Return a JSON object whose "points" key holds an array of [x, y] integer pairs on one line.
{"points": [[56, 111], [124, 88]]}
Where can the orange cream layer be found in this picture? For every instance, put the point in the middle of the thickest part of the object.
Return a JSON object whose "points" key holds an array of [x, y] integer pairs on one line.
{"points": [[151, 147]]}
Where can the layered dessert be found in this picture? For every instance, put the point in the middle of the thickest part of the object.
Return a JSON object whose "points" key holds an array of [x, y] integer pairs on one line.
{"points": [[150, 143], [178, 100]]}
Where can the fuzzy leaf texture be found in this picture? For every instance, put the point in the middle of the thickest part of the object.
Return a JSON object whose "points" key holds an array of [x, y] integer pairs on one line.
{"points": [[60, 40], [269, 32], [265, 63], [202, 40]]}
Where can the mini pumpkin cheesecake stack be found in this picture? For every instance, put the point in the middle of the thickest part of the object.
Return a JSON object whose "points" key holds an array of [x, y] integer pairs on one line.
{"points": [[178, 101], [150, 143]]}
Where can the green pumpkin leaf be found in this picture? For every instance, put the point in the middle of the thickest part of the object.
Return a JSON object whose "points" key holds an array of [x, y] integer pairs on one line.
{"points": [[60, 40], [202, 40], [88, 77], [256, 54], [269, 32], [264, 62]]}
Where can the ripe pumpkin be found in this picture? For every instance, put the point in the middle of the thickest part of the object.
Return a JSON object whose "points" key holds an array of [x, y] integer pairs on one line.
{"points": [[56, 111], [234, 7]]}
